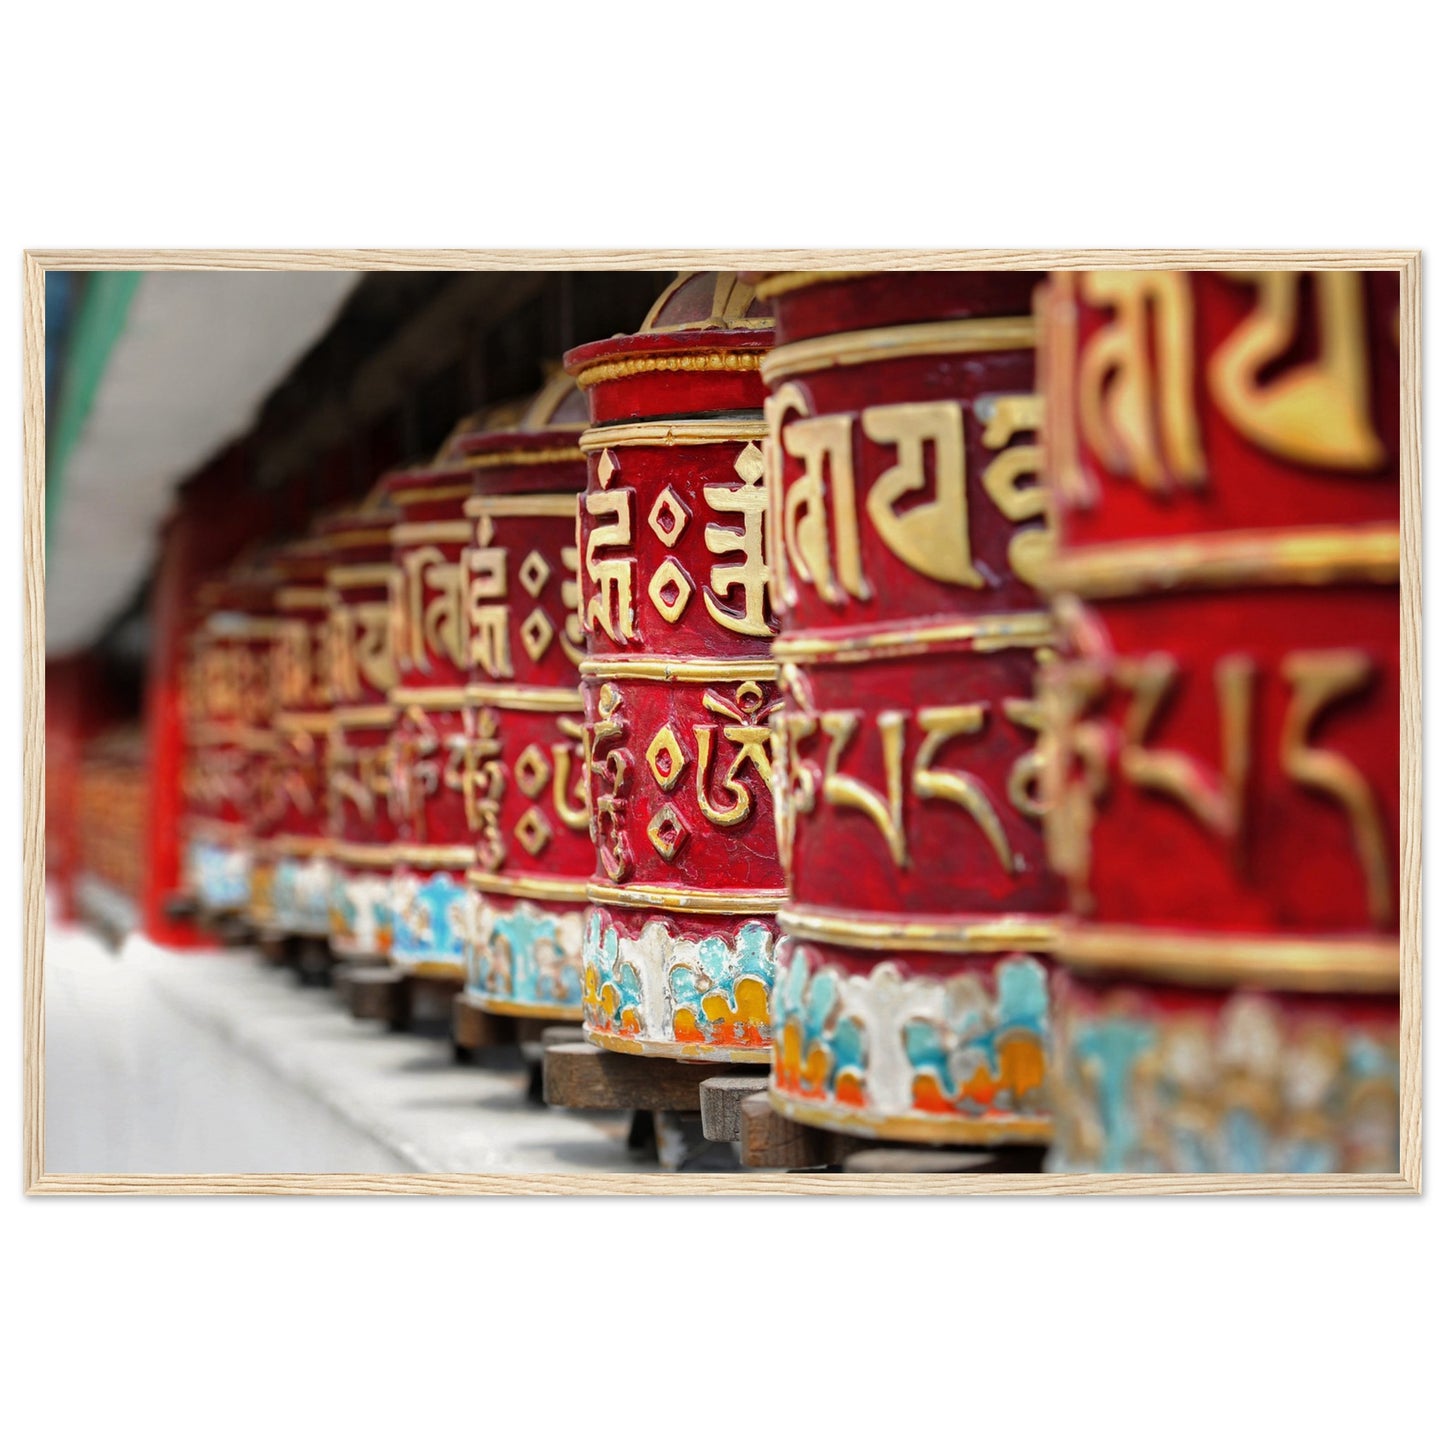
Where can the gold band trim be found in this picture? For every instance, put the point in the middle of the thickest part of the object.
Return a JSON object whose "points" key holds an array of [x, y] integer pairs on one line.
{"points": [[1306, 557], [363, 717], [372, 574], [522, 885], [681, 669], [456, 856], [451, 493], [671, 1049], [1007, 933], [522, 458], [303, 722], [692, 361], [362, 855], [404, 533], [673, 434], [525, 699], [891, 343], [913, 1128], [233, 627], [302, 598], [368, 537], [786, 281], [985, 634], [435, 699], [509, 1008], [546, 505], [434, 969], [689, 900], [1224, 960], [290, 845]]}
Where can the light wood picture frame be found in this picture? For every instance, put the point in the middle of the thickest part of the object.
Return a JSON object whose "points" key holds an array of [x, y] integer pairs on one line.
{"points": [[1408, 1180]]}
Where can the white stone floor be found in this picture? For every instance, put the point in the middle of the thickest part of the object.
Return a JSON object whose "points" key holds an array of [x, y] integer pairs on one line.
{"points": [[197, 1062]]}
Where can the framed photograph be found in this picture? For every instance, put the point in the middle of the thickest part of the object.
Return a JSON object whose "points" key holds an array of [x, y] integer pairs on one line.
{"points": [[903, 722]]}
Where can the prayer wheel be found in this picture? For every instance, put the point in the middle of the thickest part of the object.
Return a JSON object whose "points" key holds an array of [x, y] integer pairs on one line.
{"points": [[527, 789], [1224, 726], [301, 877], [361, 672], [228, 742], [907, 530], [679, 681]]}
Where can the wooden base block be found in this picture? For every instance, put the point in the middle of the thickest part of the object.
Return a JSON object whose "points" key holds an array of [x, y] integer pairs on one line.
{"points": [[179, 907], [475, 1028], [582, 1076], [377, 991], [722, 1098]]}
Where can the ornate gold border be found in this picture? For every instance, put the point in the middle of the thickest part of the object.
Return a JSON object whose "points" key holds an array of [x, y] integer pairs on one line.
{"points": [[663, 1049], [783, 282], [362, 855], [690, 361], [524, 699], [984, 634], [892, 343], [1006, 933], [381, 715], [1304, 557], [912, 1128], [545, 504], [303, 722], [456, 857], [1227, 960], [529, 885], [405, 533], [435, 699], [563, 1013], [370, 574], [762, 903], [680, 669], [294, 846], [302, 598], [364, 537], [673, 434], [521, 458]]}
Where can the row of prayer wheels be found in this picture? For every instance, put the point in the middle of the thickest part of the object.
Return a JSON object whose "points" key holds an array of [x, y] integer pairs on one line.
{"points": [[974, 695]]}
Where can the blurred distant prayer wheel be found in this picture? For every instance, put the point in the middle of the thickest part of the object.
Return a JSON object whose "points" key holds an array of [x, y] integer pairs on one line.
{"points": [[232, 705], [1224, 729], [361, 671], [526, 791], [679, 681], [254, 599], [431, 779], [301, 878], [907, 531]]}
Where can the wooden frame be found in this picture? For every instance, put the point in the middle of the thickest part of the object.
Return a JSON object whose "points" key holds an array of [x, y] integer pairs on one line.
{"points": [[1407, 1181]]}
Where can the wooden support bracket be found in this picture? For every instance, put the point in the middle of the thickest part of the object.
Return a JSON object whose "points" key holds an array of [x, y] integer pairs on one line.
{"points": [[722, 1099], [582, 1076]]}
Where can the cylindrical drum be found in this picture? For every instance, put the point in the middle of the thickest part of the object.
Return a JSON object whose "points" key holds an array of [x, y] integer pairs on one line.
{"points": [[361, 669], [301, 880], [528, 788], [1224, 731], [232, 693], [432, 780], [907, 530], [679, 681], [254, 599]]}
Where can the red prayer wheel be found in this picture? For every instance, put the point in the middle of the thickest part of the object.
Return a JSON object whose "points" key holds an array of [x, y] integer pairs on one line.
{"points": [[679, 681], [361, 671], [432, 781], [228, 741], [299, 847], [908, 528], [1224, 729], [532, 855]]}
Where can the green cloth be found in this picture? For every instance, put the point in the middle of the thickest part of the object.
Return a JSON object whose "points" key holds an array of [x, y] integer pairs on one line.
{"points": [[104, 309]]}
